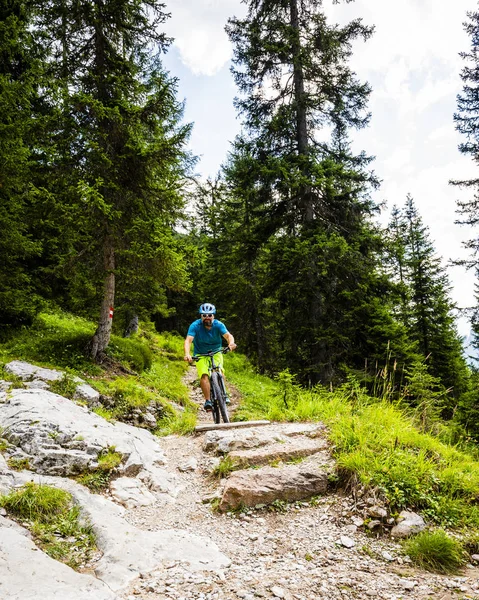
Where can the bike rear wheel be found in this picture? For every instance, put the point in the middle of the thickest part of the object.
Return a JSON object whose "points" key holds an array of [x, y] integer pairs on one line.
{"points": [[218, 391]]}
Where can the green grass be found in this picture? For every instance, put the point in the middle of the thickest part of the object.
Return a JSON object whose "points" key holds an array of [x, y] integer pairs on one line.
{"points": [[179, 423], [375, 442], [66, 386], [54, 521], [104, 413], [97, 481], [36, 502], [109, 459], [435, 551], [224, 468], [55, 339], [18, 464]]}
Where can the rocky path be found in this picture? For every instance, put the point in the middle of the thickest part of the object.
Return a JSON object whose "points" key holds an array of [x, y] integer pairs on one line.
{"points": [[300, 551], [169, 528]]}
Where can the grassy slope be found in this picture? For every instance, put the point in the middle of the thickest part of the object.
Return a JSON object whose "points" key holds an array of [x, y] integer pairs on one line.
{"points": [[374, 441]]}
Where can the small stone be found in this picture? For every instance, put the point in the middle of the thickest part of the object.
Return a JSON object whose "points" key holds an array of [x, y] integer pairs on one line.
{"points": [[387, 556], [350, 528], [347, 542], [407, 584], [378, 512], [407, 524], [190, 465], [278, 591], [475, 558]]}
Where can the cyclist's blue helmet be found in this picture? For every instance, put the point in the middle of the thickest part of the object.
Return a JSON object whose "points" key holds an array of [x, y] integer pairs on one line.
{"points": [[207, 308]]}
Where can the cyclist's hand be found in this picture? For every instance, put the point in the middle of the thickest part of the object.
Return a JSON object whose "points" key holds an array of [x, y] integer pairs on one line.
{"points": [[231, 347], [188, 358]]}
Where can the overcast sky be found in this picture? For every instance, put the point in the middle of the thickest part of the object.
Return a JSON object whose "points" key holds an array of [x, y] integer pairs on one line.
{"points": [[413, 66]]}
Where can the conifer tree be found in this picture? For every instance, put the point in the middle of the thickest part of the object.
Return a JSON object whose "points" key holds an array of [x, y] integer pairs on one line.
{"points": [[120, 152], [467, 123], [19, 78], [425, 307], [299, 198]]}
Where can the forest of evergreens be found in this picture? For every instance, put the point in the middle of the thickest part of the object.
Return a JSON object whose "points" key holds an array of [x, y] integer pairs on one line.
{"points": [[99, 208]]}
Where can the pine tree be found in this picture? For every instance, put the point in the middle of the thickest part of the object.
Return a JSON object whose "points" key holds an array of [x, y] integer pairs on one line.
{"points": [[467, 123], [306, 283], [120, 153], [292, 72], [425, 307], [19, 79]]}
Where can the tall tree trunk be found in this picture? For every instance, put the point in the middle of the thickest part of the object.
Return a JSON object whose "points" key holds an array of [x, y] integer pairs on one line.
{"points": [[305, 200], [132, 326], [101, 339]]}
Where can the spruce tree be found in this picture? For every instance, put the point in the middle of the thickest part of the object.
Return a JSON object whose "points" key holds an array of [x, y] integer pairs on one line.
{"points": [[120, 157], [467, 123], [20, 76], [307, 290], [424, 304]]}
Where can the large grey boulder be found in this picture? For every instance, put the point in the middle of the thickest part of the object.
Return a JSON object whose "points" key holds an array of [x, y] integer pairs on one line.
{"points": [[127, 550], [27, 372], [63, 438], [38, 378], [131, 492], [224, 441], [286, 451], [86, 393]]}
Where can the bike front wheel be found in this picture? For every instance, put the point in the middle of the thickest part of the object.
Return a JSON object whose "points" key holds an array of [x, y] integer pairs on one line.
{"points": [[220, 396]]}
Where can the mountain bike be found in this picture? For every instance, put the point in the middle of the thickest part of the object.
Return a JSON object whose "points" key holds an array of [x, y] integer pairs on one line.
{"points": [[217, 386]]}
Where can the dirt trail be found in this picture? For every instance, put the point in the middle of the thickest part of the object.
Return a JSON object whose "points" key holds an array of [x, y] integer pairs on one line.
{"points": [[308, 552]]}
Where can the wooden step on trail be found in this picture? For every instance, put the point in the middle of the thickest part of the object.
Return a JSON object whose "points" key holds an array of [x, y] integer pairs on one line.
{"points": [[210, 426]]}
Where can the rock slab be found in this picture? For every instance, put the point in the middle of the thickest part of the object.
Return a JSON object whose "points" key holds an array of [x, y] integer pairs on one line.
{"points": [[290, 483], [26, 573]]}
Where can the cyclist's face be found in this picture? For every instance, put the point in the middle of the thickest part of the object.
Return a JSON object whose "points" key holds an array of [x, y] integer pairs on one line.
{"points": [[207, 319]]}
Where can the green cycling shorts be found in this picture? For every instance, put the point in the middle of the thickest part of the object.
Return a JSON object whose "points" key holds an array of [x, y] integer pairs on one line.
{"points": [[202, 366]]}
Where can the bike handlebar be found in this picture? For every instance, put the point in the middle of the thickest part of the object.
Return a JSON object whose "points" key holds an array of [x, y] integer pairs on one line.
{"points": [[224, 350]]}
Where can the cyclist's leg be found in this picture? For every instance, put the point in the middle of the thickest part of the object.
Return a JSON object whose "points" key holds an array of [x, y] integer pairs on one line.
{"points": [[202, 368]]}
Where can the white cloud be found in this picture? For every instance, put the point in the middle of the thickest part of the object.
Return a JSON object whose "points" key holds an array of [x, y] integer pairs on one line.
{"points": [[198, 29]]}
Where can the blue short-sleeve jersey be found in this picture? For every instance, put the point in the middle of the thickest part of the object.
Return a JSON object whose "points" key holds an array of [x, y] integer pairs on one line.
{"points": [[204, 340]]}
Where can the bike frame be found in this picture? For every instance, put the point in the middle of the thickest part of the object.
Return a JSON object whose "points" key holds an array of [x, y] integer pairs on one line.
{"points": [[219, 404]]}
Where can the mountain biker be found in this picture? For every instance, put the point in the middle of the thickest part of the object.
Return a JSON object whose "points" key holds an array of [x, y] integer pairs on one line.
{"points": [[206, 333]]}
